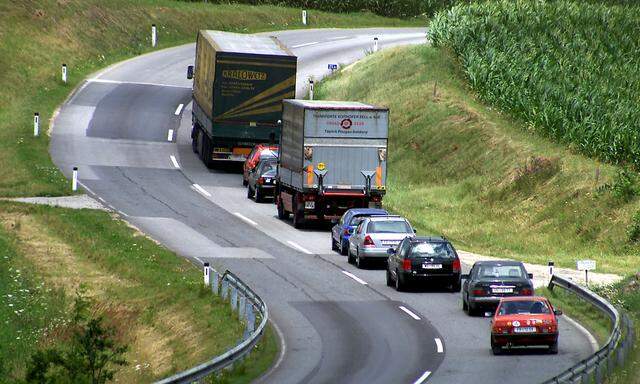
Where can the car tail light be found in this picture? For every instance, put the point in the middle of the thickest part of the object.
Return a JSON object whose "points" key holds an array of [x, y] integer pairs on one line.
{"points": [[406, 264], [368, 242], [346, 232], [526, 292], [260, 180], [478, 292], [456, 265]]}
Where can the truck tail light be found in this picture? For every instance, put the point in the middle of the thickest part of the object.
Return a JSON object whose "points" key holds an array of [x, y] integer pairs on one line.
{"points": [[368, 241], [456, 265], [406, 264]]}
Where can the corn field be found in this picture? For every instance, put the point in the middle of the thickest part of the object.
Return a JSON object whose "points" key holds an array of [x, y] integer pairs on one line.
{"points": [[570, 70]]}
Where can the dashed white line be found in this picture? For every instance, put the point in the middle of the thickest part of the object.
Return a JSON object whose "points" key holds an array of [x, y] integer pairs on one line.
{"points": [[439, 346], [201, 190], [179, 109], [422, 378], [305, 44], [408, 312], [174, 161], [244, 218], [354, 277], [338, 38], [299, 248], [170, 135]]}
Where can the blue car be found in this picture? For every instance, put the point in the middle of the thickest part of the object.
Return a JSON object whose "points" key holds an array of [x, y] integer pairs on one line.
{"points": [[341, 232]]}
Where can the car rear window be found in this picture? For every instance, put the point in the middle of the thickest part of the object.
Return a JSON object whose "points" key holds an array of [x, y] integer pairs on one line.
{"points": [[501, 271], [523, 308], [268, 166], [390, 226], [439, 249]]}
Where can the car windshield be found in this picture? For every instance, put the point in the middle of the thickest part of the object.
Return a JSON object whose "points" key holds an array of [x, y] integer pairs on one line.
{"points": [[525, 307], [500, 271], [388, 226], [268, 166], [438, 249]]}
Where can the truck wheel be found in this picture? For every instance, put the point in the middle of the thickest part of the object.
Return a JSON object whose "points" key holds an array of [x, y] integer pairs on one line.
{"points": [[258, 195], [205, 155], [194, 140], [282, 214], [298, 215]]}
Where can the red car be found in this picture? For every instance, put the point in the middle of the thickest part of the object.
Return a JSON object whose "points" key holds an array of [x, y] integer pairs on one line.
{"points": [[524, 321], [259, 152]]}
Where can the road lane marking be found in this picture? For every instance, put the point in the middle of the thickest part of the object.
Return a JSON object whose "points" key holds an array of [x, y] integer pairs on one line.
{"points": [[170, 135], [106, 81], [439, 345], [244, 218], [299, 248], [174, 161], [354, 277], [179, 109], [422, 378], [408, 312], [338, 38], [201, 190], [305, 44]]}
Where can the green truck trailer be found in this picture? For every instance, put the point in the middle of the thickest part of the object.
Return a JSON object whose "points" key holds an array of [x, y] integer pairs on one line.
{"points": [[239, 82]]}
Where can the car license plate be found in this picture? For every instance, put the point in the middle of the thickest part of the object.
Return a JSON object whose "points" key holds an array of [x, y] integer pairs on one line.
{"points": [[431, 266], [309, 205], [390, 243], [502, 290], [525, 330]]}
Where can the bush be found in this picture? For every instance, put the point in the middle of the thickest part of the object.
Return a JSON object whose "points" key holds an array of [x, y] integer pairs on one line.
{"points": [[633, 232], [569, 69], [625, 185]]}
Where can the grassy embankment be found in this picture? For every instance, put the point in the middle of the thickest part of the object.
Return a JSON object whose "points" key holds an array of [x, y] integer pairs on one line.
{"points": [[492, 132], [153, 297]]}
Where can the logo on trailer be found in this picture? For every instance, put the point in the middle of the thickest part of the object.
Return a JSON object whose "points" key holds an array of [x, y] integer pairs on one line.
{"points": [[346, 124]]}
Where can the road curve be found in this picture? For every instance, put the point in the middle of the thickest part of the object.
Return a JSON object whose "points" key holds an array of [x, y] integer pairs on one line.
{"points": [[127, 129]]}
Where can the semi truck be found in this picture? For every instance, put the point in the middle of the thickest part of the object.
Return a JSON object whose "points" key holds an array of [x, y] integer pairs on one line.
{"points": [[240, 82], [333, 157]]}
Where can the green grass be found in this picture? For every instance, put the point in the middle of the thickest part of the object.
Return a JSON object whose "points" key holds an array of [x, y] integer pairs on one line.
{"points": [[567, 68], [463, 169], [35, 39]]}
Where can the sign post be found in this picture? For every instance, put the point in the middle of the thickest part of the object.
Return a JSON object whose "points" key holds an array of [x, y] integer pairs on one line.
{"points": [[586, 266], [332, 67]]}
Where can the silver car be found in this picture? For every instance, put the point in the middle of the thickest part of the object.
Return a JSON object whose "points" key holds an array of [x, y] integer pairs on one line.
{"points": [[375, 235]]}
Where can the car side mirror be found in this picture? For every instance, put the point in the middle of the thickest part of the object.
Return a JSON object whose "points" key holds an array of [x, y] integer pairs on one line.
{"points": [[190, 72], [391, 251], [415, 231], [464, 276], [557, 312], [530, 275]]}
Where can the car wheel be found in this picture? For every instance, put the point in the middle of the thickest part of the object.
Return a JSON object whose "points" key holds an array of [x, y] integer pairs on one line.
{"points": [[249, 192], [495, 349], [472, 310], [465, 307], [334, 247], [455, 286], [258, 195], [359, 260], [389, 278], [344, 248], [553, 348], [350, 257], [244, 182], [400, 284]]}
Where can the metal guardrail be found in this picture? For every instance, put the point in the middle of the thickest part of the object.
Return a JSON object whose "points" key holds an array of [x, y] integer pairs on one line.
{"points": [[251, 309], [595, 368]]}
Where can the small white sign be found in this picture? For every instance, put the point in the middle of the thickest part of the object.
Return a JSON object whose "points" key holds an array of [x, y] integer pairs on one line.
{"points": [[586, 265]]}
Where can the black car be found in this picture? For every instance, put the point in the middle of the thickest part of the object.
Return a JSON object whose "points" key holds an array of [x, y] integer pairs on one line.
{"points": [[428, 260], [489, 281], [262, 179]]}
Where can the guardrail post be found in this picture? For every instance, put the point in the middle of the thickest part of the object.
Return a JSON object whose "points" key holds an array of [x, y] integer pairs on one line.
{"points": [[215, 285], [586, 377], [234, 298], [225, 289], [599, 372], [206, 271]]}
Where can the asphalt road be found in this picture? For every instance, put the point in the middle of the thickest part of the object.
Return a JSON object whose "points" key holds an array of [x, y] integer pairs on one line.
{"points": [[338, 323]]}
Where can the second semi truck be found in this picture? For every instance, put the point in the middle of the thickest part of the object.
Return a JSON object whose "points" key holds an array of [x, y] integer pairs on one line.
{"points": [[240, 82], [333, 156]]}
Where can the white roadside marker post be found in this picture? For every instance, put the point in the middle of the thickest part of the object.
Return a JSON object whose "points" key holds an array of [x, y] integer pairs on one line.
{"points": [[154, 35], [206, 272], [375, 44], [310, 89], [551, 268], [64, 73], [74, 179], [304, 17], [36, 124]]}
